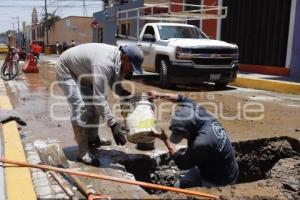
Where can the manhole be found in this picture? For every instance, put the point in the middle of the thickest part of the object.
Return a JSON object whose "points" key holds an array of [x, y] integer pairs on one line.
{"points": [[255, 159]]}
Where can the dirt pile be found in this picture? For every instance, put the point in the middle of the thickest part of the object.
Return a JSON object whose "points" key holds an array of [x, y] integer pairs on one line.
{"points": [[287, 173], [256, 157]]}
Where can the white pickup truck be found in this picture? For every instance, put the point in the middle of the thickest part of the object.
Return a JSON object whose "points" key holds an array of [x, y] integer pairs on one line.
{"points": [[182, 54]]}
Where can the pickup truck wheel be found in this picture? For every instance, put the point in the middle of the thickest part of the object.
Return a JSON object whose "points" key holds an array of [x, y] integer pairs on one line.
{"points": [[164, 76], [220, 85]]}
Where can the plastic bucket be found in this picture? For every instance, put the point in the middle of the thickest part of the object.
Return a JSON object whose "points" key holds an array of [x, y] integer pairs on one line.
{"points": [[139, 118]]}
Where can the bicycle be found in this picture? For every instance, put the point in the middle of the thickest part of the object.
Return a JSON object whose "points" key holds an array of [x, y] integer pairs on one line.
{"points": [[10, 67]]}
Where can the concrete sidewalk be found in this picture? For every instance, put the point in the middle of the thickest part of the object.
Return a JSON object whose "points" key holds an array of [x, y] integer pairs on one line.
{"points": [[281, 84]]}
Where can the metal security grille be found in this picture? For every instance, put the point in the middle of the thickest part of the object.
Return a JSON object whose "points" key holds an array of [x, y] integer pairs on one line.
{"points": [[260, 28]]}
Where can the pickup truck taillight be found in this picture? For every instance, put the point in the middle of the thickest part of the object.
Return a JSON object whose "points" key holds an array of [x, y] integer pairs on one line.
{"points": [[183, 53]]}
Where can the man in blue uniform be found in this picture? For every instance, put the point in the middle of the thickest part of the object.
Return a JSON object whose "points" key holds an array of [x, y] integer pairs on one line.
{"points": [[209, 156]]}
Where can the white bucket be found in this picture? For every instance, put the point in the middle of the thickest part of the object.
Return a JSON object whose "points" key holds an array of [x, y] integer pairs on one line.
{"points": [[139, 117]]}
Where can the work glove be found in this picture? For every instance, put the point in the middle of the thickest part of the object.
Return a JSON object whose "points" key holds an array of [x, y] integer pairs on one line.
{"points": [[119, 133], [7, 116]]}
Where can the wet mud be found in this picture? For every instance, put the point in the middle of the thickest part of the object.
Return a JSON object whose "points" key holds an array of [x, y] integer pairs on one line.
{"points": [[256, 157]]}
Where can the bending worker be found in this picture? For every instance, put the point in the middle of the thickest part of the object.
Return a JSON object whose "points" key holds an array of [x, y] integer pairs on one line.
{"points": [[209, 156], [84, 73]]}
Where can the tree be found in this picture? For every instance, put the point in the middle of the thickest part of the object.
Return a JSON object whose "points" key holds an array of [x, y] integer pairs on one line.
{"points": [[8, 32], [52, 18]]}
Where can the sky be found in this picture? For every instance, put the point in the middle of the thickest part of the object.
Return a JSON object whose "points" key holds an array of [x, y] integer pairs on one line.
{"points": [[11, 9]]}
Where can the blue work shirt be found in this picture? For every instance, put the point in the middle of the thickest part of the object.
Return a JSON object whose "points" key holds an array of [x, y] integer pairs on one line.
{"points": [[208, 147]]}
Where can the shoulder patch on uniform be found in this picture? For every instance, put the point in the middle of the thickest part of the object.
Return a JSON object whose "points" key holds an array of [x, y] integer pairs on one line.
{"points": [[218, 130]]}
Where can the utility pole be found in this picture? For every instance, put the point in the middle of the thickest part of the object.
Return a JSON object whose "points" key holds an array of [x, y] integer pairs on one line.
{"points": [[18, 33], [46, 20], [18, 24], [84, 8]]}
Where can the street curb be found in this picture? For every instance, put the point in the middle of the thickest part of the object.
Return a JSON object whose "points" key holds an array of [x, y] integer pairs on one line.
{"points": [[18, 180], [269, 85]]}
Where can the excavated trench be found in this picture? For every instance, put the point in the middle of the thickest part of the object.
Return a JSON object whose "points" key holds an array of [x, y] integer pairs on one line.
{"points": [[255, 159]]}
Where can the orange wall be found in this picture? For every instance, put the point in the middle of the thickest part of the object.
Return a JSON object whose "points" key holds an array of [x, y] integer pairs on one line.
{"points": [[210, 26], [176, 8]]}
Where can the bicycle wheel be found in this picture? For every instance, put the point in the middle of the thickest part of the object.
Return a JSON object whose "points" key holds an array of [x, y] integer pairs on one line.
{"points": [[9, 70]]}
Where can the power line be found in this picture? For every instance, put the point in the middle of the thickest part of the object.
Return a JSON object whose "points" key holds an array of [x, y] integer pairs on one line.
{"points": [[45, 26], [60, 7], [54, 0], [40, 6]]}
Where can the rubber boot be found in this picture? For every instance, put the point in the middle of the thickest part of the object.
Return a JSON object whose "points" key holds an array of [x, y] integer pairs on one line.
{"points": [[84, 155], [94, 141]]}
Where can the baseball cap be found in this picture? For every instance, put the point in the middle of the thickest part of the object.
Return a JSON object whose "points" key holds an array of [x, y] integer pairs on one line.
{"points": [[180, 123], [136, 57]]}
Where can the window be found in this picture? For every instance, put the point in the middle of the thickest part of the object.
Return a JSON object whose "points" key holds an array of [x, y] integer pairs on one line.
{"points": [[125, 30], [100, 35], [42, 32], [167, 32], [149, 30], [33, 34]]}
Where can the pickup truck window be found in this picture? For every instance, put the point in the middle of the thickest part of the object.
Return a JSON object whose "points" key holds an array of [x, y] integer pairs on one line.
{"points": [[167, 32], [149, 30]]}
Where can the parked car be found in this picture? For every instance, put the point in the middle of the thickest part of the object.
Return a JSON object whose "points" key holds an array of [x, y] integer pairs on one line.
{"points": [[182, 54], [3, 48]]}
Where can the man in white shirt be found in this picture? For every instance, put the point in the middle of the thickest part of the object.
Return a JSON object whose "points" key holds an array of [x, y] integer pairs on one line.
{"points": [[85, 72]]}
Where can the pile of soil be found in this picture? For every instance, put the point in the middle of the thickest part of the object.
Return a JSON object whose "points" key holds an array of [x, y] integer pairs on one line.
{"points": [[256, 157]]}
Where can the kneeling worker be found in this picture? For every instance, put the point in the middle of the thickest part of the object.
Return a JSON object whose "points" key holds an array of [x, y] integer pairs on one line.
{"points": [[209, 156]]}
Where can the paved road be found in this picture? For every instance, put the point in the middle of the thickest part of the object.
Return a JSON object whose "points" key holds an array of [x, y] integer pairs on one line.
{"points": [[245, 113]]}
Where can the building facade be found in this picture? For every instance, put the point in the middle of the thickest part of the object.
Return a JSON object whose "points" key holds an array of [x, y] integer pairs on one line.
{"points": [[37, 30], [38, 34], [265, 33], [76, 28], [26, 30], [106, 28]]}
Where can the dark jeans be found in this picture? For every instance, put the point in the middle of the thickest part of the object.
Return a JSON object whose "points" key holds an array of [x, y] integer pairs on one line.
{"points": [[193, 178]]}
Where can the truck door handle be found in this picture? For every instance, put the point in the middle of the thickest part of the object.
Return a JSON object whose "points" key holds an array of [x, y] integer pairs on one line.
{"points": [[139, 45]]}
